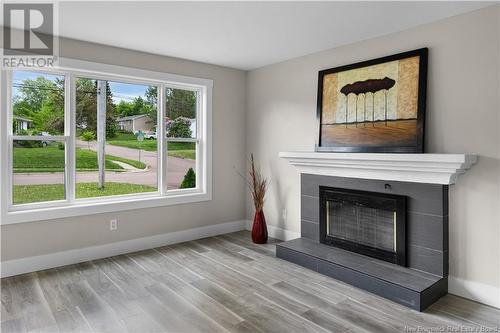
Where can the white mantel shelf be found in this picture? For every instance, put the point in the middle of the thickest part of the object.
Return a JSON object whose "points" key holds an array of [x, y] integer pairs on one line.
{"points": [[416, 168]]}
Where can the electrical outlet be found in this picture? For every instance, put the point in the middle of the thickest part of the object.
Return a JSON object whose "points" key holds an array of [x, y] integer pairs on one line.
{"points": [[113, 225]]}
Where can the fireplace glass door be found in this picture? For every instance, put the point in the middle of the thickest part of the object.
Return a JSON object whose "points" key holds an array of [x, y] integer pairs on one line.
{"points": [[361, 224], [368, 223]]}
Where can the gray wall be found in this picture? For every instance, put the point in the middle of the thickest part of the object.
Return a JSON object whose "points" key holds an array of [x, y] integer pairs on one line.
{"points": [[228, 204], [463, 116]]}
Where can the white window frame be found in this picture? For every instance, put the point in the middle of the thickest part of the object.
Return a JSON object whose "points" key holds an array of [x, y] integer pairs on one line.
{"points": [[72, 68]]}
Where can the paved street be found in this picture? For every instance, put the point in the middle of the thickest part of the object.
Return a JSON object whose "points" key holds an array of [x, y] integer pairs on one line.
{"points": [[177, 168]]}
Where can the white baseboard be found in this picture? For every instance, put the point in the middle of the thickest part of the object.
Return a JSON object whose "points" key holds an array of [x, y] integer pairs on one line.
{"points": [[278, 233], [476, 291], [36, 263]]}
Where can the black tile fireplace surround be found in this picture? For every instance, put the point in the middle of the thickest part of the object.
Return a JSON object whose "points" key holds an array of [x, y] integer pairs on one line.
{"points": [[425, 277]]}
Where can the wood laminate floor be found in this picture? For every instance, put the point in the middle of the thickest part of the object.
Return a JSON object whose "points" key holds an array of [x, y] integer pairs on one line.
{"points": [[217, 284]]}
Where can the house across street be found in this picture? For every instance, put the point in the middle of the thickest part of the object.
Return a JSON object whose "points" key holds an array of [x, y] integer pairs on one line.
{"points": [[140, 122]]}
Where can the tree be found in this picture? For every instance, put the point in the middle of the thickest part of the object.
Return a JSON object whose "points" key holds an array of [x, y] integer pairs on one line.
{"points": [[180, 128], [50, 118], [35, 92], [86, 107], [151, 104], [125, 109], [21, 107], [138, 105], [180, 103], [41, 100], [151, 95], [189, 180], [88, 136], [111, 127]]}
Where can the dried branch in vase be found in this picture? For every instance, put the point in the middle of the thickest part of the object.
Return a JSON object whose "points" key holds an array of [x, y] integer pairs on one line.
{"points": [[257, 184]]}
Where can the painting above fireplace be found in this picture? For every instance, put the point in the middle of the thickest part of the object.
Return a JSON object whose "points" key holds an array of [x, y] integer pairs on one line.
{"points": [[374, 106]]}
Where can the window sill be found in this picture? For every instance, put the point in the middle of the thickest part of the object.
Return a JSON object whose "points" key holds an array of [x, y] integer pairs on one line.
{"points": [[102, 206]]}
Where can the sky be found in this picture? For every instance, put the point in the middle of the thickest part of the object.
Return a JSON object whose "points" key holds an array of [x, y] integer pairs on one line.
{"points": [[126, 91], [121, 91]]}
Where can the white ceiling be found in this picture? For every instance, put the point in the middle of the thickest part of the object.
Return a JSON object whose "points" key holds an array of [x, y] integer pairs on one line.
{"points": [[244, 35]]}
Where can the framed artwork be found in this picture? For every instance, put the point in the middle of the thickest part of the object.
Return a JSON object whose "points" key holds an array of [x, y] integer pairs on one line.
{"points": [[374, 106]]}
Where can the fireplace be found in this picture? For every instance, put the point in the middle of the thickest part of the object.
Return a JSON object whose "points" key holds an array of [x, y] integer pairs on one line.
{"points": [[369, 223], [386, 237], [378, 222]]}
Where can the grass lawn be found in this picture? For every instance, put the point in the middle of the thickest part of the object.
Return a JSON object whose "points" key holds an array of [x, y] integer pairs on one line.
{"points": [[175, 149], [36, 193], [129, 140], [188, 154], [134, 163], [182, 150], [51, 159]]}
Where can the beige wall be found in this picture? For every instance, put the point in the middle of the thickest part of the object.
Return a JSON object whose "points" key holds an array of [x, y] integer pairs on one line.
{"points": [[228, 204], [463, 116], [144, 124]]}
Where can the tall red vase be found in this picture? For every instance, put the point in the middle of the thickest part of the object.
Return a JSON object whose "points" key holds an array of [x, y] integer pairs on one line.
{"points": [[259, 228]]}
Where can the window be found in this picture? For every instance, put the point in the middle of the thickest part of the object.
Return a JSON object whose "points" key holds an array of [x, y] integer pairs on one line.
{"points": [[39, 138], [129, 139], [181, 109], [101, 136]]}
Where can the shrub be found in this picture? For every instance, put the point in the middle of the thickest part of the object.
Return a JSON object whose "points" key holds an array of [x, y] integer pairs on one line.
{"points": [[31, 131], [22, 132], [28, 143], [189, 180], [88, 136], [111, 129], [122, 131], [180, 128]]}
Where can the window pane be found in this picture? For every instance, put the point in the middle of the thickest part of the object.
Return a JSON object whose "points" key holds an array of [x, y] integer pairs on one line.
{"points": [[180, 112], [181, 165], [37, 103], [130, 164], [38, 171]]}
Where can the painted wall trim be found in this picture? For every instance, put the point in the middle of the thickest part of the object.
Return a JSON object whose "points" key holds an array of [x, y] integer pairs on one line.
{"points": [[51, 260], [476, 291], [276, 232], [415, 168]]}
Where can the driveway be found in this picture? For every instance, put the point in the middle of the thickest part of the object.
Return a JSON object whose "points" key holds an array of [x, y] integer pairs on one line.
{"points": [[177, 168]]}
